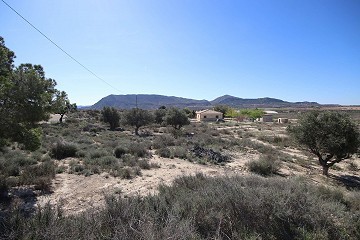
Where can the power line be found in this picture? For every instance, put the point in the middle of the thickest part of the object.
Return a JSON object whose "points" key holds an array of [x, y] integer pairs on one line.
{"points": [[82, 65]]}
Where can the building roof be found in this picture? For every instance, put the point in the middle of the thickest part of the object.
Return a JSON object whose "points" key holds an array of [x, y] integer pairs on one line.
{"points": [[270, 112], [208, 111]]}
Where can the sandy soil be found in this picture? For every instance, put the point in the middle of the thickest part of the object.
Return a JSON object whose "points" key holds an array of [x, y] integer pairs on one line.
{"points": [[77, 193]]}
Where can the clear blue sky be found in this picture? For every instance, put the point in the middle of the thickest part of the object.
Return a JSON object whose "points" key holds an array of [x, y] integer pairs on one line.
{"points": [[294, 50]]}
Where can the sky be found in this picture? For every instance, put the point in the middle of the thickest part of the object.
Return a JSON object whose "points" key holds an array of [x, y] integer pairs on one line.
{"points": [[294, 50]]}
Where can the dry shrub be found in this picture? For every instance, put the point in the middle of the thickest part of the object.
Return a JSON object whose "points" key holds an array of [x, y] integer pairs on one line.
{"points": [[265, 165]]}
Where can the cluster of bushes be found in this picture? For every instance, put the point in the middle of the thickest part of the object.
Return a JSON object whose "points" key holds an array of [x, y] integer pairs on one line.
{"points": [[17, 168], [198, 207], [125, 161]]}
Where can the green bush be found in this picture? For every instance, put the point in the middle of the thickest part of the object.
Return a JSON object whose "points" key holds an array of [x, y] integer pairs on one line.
{"points": [[40, 175], [164, 152], [163, 141], [63, 150], [179, 152], [119, 152], [265, 165], [138, 150], [98, 153]]}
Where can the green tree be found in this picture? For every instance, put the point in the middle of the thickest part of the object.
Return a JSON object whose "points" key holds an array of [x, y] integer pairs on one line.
{"points": [[176, 118], [231, 112], [223, 109], [189, 113], [62, 105], [252, 113], [137, 118], [26, 98], [112, 116], [159, 115], [331, 136]]}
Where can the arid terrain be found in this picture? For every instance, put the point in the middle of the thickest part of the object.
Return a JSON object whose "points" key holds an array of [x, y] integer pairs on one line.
{"points": [[77, 192]]}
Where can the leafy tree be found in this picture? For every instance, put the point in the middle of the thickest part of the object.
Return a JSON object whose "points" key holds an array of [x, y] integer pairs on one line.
{"points": [[176, 118], [231, 112], [189, 113], [137, 118], [159, 115], [252, 113], [331, 136], [112, 116], [26, 98], [223, 109], [62, 105]]}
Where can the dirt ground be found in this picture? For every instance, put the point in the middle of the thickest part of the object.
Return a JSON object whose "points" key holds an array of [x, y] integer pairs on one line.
{"points": [[77, 193]]}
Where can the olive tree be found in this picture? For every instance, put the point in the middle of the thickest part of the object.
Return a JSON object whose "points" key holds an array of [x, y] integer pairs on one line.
{"points": [[112, 116], [137, 118], [331, 136], [176, 118], [159, 115], [62, 105]]}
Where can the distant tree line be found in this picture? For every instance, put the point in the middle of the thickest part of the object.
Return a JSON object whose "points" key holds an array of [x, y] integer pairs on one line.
{"points": [[137, 118]]}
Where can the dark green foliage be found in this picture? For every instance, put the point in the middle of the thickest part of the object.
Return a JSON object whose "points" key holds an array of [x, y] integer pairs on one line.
{"points": [[265, 165], [198, 207], [120, 151], [189, 113], [26, 98], [112, 116], [159, 115], [176, 118], [137, 118], [331, 136], [63, 150]]}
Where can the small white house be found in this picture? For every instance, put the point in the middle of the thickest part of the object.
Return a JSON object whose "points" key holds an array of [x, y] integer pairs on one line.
{"points": [[208, 115]]}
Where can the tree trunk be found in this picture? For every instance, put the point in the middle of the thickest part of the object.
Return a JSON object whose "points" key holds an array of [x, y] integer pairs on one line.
{"points": [[137, 131], [61, 118], [326, 170]]}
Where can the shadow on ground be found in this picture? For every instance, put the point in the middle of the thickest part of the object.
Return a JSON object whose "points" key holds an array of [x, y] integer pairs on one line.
{"points": [[349, 181]]}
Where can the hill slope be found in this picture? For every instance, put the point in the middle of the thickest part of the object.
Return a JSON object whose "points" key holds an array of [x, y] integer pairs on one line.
{"points": [[152, 101], [148, 101]]}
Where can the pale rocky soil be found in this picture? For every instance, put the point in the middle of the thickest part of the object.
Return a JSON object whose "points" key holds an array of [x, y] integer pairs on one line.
{"points": [[77, 193]]}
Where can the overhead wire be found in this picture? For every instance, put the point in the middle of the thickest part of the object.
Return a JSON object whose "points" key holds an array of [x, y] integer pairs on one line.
{"points": [[54, 43]]}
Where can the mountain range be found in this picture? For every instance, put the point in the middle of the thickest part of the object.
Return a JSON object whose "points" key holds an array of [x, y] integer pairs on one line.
{"points": [[153, 101]]}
